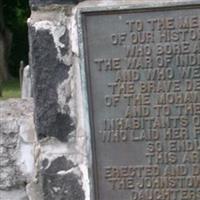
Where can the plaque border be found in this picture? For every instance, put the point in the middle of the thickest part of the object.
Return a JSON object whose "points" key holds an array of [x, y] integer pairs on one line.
{"points": [[93, 9]]}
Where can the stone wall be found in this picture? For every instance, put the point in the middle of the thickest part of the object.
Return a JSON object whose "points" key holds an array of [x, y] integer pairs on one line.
{"points": [[63, 139], [18, 146]]}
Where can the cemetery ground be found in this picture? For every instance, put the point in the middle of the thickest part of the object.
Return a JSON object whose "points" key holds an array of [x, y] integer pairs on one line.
{"points": [[10, 89]]}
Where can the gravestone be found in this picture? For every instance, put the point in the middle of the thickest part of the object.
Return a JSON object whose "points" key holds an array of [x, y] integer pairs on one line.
{"points": [[142, 66], [26, 91]]}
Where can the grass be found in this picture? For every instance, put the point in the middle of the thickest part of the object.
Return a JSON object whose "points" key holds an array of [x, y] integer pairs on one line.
{"points": [[10, 89]]}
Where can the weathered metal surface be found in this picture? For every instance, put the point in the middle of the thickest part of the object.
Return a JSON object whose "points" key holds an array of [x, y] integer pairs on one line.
{"points": [[143, 77]]}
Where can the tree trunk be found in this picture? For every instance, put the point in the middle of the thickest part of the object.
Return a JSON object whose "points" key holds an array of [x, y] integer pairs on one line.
{"points": [[3, 47], [5, 37]]}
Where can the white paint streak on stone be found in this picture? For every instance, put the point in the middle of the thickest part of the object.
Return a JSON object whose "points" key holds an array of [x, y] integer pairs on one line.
{"points": [[57, 29], [74, 33], [26, 159], [27, 130], [86, 181], [28, 140], [73, 170], [43, 25], [64, 93], [52, 148], [26, 83], [56, 189]]}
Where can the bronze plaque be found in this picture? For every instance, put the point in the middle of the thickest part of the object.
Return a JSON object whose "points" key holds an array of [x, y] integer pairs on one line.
{"points": [[143, 78]]}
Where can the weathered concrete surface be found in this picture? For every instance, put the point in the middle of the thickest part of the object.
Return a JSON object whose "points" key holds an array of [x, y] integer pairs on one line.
{"points": [[62, 160], [60, 181], [36, 3], [17, 146], [16, 194]]}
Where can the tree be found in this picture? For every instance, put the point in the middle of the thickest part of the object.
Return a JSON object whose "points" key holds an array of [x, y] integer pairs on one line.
{"points": [[14, 14], [3, 36]]}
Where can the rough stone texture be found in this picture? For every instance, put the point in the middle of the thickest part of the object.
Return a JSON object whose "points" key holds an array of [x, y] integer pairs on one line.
{"points": [[48, 41], [19, 194], [17, 141], [59, 181], [47, 2], [62, 159]]}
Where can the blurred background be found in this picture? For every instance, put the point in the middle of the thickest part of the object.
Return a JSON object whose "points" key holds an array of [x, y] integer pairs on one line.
{"points": [[13, 45]]}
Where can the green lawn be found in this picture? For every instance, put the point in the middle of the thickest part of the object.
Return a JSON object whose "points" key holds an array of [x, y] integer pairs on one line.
{"points": [[10, 89]]}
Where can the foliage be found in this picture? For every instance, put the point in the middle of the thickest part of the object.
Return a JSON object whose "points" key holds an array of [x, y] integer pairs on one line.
{"points": [[16, 13], [11, 89]]}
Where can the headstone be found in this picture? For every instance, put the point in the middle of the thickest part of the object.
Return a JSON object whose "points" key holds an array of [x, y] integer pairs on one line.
{"points": [[142, 66], [26, 91], [21, 71]]}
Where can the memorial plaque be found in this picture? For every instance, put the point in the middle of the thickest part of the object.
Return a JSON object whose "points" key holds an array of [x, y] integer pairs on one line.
{"points": [[143, 77]]}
